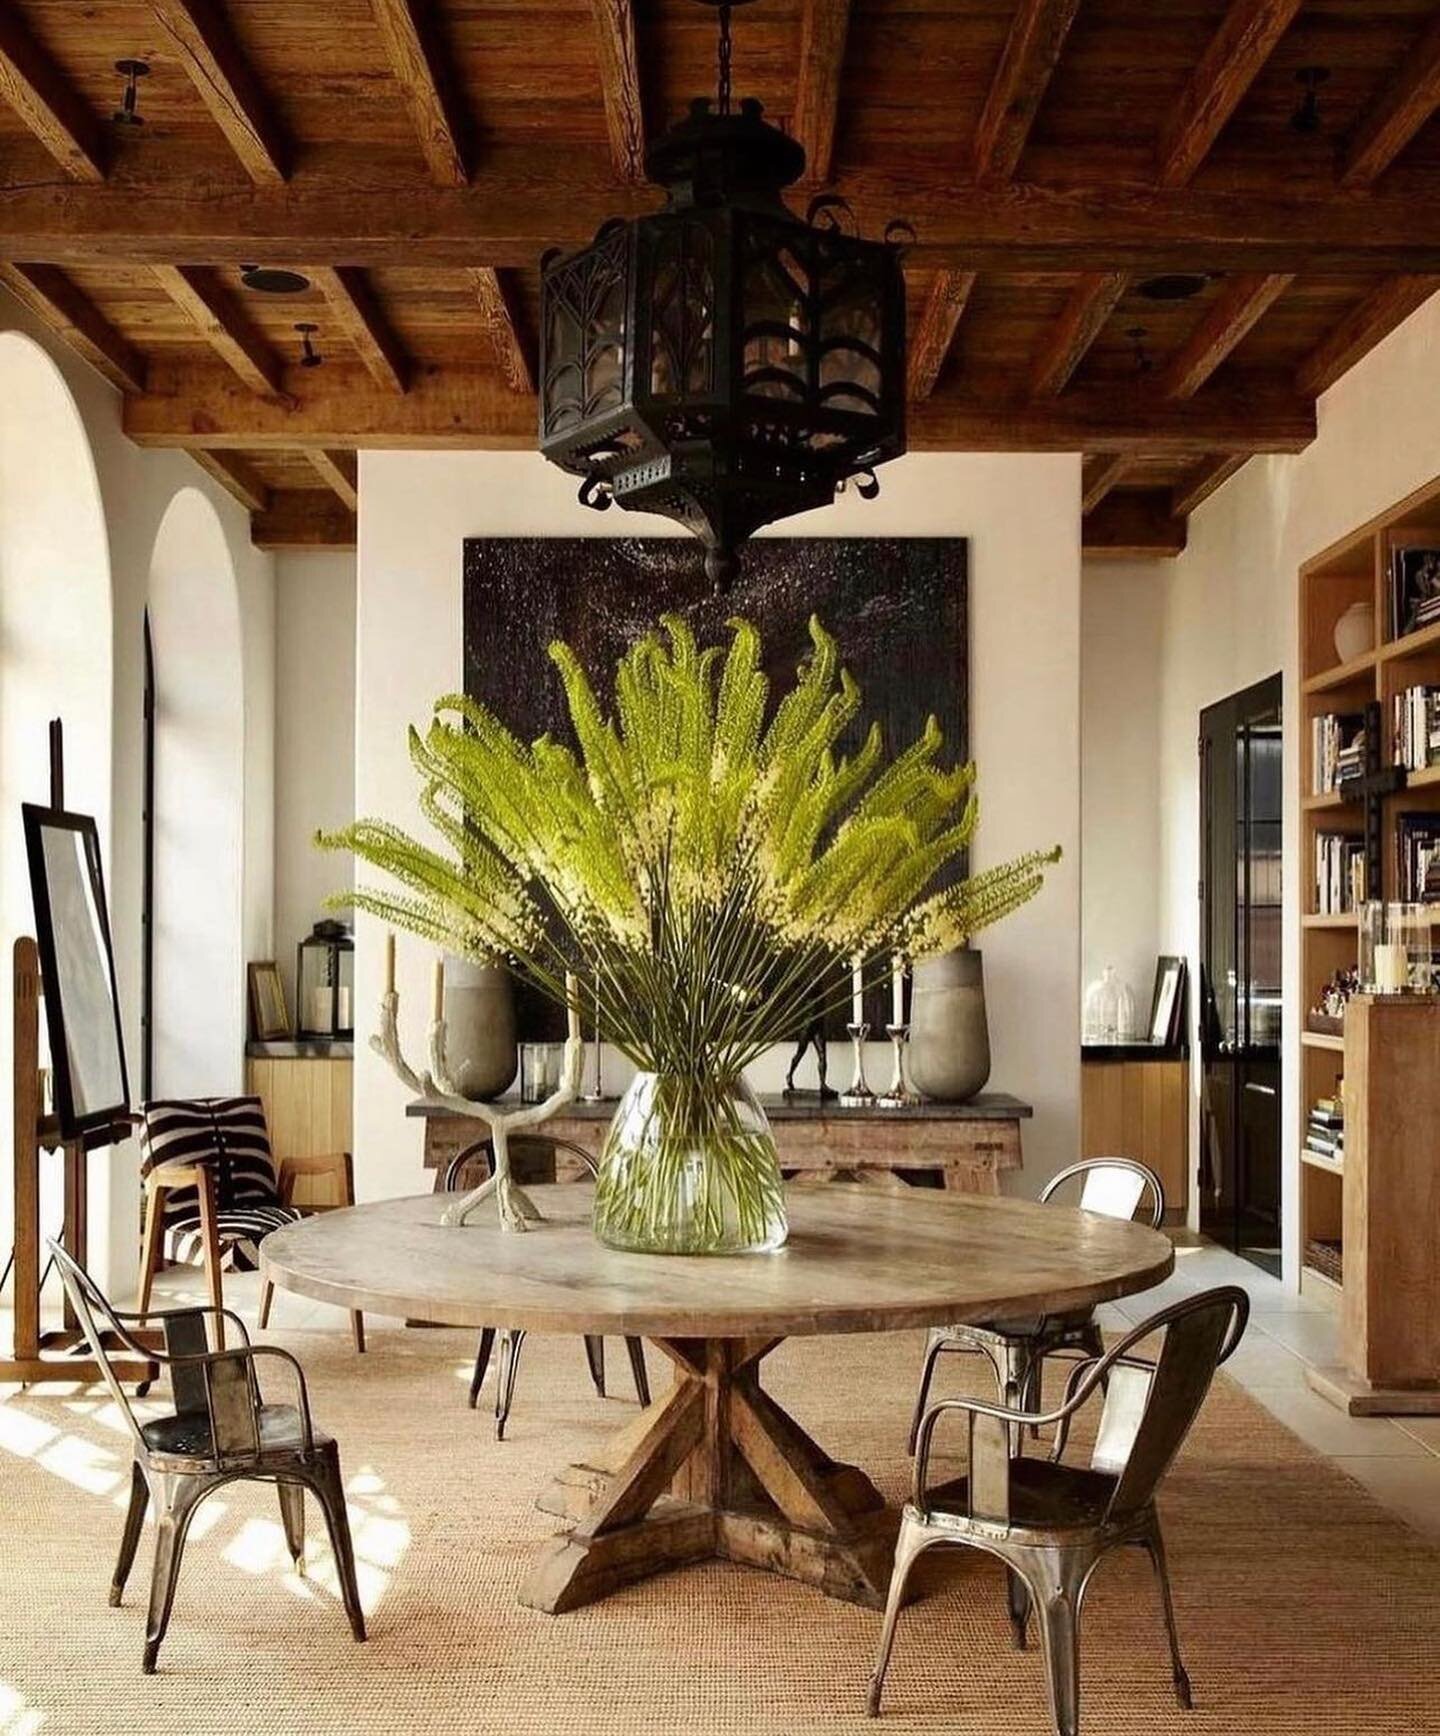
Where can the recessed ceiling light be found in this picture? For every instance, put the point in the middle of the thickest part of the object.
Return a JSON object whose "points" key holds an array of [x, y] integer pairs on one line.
{"points": [[273, 280], [1172, 286]]}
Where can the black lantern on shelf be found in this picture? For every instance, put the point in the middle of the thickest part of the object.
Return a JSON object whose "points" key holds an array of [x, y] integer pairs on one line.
{"points": [[325, 983], [724, 362]]}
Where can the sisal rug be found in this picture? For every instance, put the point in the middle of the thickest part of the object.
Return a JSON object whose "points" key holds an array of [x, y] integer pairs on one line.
{"points": [[1303, 1606]]}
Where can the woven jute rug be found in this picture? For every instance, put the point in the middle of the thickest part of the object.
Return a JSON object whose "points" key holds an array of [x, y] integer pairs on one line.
{"points": [[1303, 1606]]}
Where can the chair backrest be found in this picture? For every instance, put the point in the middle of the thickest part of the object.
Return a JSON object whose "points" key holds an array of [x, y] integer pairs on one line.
{"points": [[226, 1134], [1150, 1406], [91, 1307], [523, 1145], [1112, 1186]]}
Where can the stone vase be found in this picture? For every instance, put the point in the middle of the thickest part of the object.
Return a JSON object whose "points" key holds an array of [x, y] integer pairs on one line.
{"points": [[949, 1035], [1355, 631], [480, 1045]]}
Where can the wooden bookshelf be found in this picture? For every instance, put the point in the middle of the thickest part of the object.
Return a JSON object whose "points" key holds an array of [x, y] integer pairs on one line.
{"points": [[1355, 569]]}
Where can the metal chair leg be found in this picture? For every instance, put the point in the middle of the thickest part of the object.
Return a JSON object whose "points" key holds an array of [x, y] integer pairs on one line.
{"points": [[1057, 1606], [357, 1330], [329, 1489], [180, 1500], [1019, 1598], [595, 1356], [511, 1344], [482, 1362], [1154, 1546], [267, 1296], [130, 1536], [911, 1543], [292, 1517], [927, 1373], [636, 1349]]}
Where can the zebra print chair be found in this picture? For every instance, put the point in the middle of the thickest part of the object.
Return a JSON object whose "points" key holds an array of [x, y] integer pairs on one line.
{"points": [[212, 1191]]}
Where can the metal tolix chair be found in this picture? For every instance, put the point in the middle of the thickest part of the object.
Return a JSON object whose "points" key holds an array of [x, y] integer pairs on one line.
{"points": [[512, 1341], [222, 1430], [1052, 1523], [1017, 1348]]}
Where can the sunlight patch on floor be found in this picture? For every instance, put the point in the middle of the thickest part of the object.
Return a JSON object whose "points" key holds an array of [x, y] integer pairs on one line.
{"points": [[17, 1716]]}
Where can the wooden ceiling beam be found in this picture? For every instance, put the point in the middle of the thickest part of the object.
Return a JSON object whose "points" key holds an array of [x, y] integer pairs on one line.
{"points": [[1401, 109], [203, 42], [1099, 476], [1027, 60], [75, 319], [1133, 524], [1361, 329], [425, 85], [1241, 304], [620, 86], [824, 27], [930, 345], [1203, 480], [472, 408], [339, 471], [236, 477], [1239, 49], [1091, 303], [303, 518], [224, 329], [34, 87], [351, 299], [498, 316]]}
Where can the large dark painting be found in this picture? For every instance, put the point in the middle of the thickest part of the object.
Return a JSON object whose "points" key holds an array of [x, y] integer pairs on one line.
{"points": [[897, 606]]}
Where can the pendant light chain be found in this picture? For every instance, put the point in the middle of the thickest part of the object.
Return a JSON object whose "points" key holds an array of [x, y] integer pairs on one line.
{"points": [[724, 59]]}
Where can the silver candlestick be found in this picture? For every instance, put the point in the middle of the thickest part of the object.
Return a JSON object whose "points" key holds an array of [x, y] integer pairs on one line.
{"points": [[901, 1095], [859, 1096]]}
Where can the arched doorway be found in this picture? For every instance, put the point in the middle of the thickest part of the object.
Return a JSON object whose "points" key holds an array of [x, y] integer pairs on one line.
{"points": [[197, 1009]]}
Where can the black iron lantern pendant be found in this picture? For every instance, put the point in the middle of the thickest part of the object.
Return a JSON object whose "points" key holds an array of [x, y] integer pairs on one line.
{"points": [[723, 362]]}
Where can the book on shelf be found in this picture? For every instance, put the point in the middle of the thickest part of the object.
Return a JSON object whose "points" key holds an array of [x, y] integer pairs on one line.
{"points": [[1337, 749], [1417, 857], [1325, 1130], [1414, 588], [1415, 727], [1339, 873]]}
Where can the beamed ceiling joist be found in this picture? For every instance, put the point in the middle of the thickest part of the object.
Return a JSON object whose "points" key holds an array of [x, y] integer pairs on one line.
{"points": [[929, 343], [619, 66], [1037, 35], [359, 316], [1401, 109], [407, 28], [55, 300], [824, 29], [1132, 524], [34, 87], [198, 34]]}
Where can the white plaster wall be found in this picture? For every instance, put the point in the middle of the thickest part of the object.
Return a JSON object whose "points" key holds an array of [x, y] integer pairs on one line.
{"points": [[1022, 516], [314, 737]]}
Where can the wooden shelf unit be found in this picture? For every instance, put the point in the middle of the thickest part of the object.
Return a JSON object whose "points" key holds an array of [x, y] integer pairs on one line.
{"points": [[1355, 569]]}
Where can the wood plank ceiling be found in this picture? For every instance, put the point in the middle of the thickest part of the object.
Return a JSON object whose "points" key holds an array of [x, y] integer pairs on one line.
{"points": [[1068, 166]]}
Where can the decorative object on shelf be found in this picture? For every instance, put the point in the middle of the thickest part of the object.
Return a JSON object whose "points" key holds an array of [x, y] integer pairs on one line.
{"points": [[269, 1016], [1414, 588], [859, 1095], [325, 982], [711, 867], [812, 1037], [1109, 1010], [898, 1095], [723, 362], [949, 1030], [1396, 957], [1328, 1014], [1167, 1001], [478, 1006], [1355, 631]]}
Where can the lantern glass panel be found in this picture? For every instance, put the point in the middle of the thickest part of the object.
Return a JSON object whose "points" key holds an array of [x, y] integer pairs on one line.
{"points": [[777, 328], [682, 319], [325, 983]]}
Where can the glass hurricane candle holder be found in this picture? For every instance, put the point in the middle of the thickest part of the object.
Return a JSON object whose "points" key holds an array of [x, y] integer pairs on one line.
{"points": [[1395, 949]]}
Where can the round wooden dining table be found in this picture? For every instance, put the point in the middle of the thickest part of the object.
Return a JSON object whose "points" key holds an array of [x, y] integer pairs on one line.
{"points": [[715, 1467]]}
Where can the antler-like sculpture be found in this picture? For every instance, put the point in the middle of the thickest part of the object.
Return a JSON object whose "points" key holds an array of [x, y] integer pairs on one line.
{"points": [[436, 1091]]}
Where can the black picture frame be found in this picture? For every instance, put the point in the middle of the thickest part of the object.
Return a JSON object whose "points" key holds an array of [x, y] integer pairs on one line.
{"points": [[77, 968], [1167, 1004]]}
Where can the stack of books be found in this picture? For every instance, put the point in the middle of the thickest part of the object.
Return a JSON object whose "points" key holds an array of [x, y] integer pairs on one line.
{"points": [[1416, 715], [1339, 873], [1337, 749], [1414, 588], [1325, 1130], [1417, 857]]}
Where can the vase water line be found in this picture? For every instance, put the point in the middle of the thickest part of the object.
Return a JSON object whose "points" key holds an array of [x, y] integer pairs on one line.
{"points": [[689, 1166]]}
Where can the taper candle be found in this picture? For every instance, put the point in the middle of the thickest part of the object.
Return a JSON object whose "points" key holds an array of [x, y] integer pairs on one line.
{"points": [[857, 992], [572, 1007], [437, 998], [390, 962], [897, 990]]}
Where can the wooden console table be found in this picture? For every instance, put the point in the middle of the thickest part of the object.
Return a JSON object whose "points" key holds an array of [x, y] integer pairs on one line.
{"points": [[970, 1145]]}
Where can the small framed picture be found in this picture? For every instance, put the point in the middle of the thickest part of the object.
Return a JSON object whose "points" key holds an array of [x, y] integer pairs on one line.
{"points": [[269, 1016], [1167, 1003]]}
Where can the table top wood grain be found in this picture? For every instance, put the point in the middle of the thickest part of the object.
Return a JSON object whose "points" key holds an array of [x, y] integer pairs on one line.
{"points": [[857, 1260]]}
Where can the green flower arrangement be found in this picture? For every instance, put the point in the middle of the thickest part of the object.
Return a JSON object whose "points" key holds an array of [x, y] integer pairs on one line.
{"points": [[711, 864]]}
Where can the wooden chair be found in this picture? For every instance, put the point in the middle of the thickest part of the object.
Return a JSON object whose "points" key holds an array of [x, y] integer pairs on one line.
{"points": [[1052, 1523], [222, 1430], [213, 1192], [1017, 1348], [531, 1154]]}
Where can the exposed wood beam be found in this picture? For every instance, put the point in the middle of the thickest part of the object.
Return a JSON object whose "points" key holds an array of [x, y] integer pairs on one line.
{"points": [[1133, 524], [237, 477], [202, 41], [191, 404], [620, 86], [302, 518], [1203, 480], [35, 88], [1235, 311], [1361, 329], [353, 303], [1026, 62], [497, 315], [1401, 109], [1091, 303], [1099, 476], [1244, 42], [339, 472], [75, 319], [824, 26], [931, 343], [424, 84], [242, 348]]}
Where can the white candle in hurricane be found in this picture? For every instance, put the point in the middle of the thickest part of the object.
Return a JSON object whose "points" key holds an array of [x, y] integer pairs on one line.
{"points": [[572, 1007], [390, 962], [857, 992], [897, 990], [437, 1001], [1392, 968]]}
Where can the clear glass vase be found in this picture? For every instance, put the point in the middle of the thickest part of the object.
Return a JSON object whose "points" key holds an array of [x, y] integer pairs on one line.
{"points": [[689, 1167]]}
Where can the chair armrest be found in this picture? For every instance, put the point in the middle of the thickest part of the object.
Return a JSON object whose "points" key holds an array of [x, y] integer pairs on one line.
{"points": [[328, 1163], [164, 1314]]}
